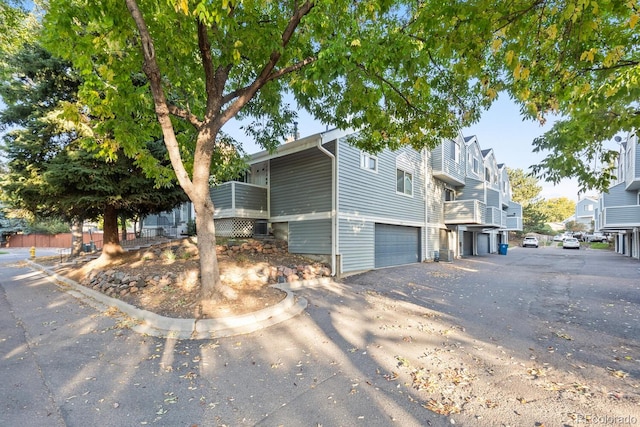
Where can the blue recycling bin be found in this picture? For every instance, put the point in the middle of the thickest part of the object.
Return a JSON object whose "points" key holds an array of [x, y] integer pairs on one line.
{"points": [[503, 248]]}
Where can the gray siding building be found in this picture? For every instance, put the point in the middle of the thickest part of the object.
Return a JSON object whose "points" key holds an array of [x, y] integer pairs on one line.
{"points": [[352, 209], [618, 210], [358, 210]]}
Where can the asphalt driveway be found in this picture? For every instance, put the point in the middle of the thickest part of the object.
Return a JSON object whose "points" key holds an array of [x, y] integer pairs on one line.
{"points": [[537, 337], [551, 336]]}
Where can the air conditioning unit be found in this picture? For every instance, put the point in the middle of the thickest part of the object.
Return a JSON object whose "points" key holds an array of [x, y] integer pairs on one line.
{"points": [[446, 255], [260, 228]]}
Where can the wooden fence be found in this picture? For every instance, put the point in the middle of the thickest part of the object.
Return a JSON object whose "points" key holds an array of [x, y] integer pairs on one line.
{"points": [[62, 240]]}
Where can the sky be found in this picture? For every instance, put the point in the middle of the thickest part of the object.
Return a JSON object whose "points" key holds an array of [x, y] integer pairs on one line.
{"points": [[503, 129], [500, 128]]}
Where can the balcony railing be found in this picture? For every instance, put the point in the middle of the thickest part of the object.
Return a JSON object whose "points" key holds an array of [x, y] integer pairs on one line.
{"points": [[514, 223], [494, 218], [471, 211], [475, 212], [445, 168], [620, 217], [240, 200]]}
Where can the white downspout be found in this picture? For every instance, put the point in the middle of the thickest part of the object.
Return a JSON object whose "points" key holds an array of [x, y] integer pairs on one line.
{"points": [[427, 182], [334, 191]]}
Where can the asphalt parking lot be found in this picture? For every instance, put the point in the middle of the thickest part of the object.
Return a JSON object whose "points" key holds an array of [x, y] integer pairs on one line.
{"points": [[537, 337]]}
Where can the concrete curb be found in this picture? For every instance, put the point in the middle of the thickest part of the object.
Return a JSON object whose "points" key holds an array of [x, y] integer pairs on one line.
{"points": [[153, 324]]}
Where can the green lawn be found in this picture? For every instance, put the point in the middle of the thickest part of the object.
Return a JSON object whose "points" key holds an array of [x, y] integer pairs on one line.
{"points": [[599, 245]]}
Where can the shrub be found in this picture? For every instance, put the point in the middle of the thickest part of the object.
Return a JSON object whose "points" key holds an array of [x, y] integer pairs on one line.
{"points": [[52, 226], [169, 255]]}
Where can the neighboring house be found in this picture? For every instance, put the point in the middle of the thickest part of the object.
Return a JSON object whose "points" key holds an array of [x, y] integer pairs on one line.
{"points": [[170, 223], [359, 211], [9, 226], [586, 213], [618, 211]]}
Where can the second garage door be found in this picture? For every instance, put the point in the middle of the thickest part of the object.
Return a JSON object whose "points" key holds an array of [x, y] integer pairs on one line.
{"points": [[483, 244], [396, 245]]}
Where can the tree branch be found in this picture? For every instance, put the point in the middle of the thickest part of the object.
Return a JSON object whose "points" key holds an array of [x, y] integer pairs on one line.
{"points": [[514, 16], [207, 60], [621, 64], [186, 115], [152, 71], [244, 95], [274, 76], [292, 68], [215, 80], [392, 87]]}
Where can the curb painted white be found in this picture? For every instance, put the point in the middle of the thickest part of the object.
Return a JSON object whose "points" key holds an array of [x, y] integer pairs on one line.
{"points": [[161, 326]]}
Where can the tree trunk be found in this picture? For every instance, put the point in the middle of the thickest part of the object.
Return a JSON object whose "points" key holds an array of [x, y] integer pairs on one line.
{"points": [[76, 238], [197, 186], [123, 224], [211, 285], [111, 244], [137, 226]]}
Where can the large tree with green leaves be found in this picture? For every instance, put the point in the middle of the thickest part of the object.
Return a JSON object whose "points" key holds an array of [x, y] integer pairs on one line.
{"points": [[526, 191], [525, 188], [52, 170], [579, 61], [536, 211], [558, 209]]}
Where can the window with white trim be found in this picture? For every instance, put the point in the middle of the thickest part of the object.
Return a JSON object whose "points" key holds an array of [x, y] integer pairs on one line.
{"points": [[404, 174], [368, 162], [404, 182], [449, 195], [476, 166], [455, 151]]}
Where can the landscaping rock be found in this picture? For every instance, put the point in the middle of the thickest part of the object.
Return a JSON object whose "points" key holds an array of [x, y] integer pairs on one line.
{"points": [[121, 283]]}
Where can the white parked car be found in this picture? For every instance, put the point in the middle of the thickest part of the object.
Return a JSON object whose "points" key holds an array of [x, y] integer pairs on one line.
{"points": [[530, 241], [596, 237], [558, 238], [571, 243]]}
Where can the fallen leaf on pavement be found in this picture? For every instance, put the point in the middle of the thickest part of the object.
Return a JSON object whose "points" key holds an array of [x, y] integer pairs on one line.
{"points": [[563, 335], [617, 373], [490, 404], [442, 408]]}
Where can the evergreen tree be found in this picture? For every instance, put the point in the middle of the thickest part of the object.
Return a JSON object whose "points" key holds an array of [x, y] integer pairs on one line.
{"points": [[52, 170]]}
